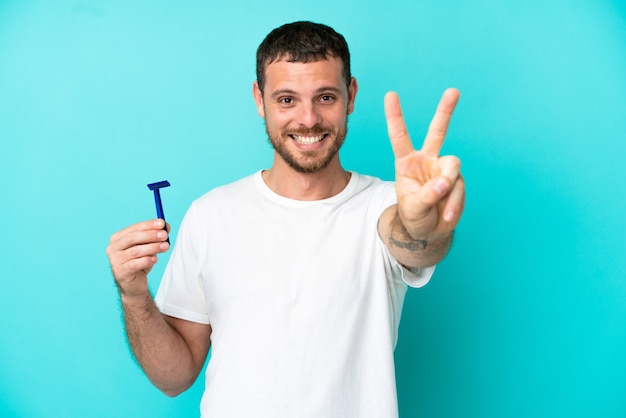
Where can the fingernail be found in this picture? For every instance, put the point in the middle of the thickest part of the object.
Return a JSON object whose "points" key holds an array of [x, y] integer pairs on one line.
{"points": [[440, 186], [161, 234], [449, 215]]}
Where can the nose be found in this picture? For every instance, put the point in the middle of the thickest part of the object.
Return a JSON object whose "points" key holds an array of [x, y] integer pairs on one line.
{"points": [[308, 115]]}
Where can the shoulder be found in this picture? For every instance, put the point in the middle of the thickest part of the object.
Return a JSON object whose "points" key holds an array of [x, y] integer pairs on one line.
{"points": [[236, 189], [374, 187]]}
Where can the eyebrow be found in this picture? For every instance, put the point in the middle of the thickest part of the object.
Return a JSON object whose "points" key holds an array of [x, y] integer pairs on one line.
{"points": [[328, 89]]}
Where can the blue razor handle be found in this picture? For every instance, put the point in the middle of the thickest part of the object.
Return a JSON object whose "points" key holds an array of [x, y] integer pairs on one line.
{"points": [[155, 187]]}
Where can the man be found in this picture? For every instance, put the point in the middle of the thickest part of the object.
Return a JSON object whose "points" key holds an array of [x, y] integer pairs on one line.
{"points": [[295, 276]]}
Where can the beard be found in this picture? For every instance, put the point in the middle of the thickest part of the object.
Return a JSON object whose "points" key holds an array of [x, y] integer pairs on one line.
{"points": [[307, 162]]}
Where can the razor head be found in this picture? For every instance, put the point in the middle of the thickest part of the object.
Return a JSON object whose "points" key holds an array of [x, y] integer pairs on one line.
{"points": [[158, 185]]}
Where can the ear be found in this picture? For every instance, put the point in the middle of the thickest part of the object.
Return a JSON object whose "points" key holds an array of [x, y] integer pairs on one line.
{"points": [[258, 99], [352, 89]]}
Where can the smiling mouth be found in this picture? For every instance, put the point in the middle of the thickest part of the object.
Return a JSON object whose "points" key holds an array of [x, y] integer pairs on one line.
{"points": [[307, 140]]}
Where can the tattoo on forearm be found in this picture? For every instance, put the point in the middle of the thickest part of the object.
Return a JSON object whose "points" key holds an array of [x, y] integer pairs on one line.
{"points": [[400, 237]]}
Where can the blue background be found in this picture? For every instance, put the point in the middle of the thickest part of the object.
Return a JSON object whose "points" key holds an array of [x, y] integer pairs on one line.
{"points": [[527, 315]]}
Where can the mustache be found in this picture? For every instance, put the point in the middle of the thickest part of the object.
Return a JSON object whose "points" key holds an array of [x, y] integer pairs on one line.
{"points": [[316, 130]]}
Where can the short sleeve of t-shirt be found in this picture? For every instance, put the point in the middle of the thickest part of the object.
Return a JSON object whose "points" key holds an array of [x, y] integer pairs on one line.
{"points": [[181, 293], [417, 277]]}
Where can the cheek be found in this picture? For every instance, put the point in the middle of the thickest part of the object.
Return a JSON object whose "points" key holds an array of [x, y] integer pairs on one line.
{"points": [[277, 119], [338, 119]]}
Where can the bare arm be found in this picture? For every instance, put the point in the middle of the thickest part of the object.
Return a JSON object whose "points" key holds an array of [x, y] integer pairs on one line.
{"points": [[171, 351], [430, 189]]}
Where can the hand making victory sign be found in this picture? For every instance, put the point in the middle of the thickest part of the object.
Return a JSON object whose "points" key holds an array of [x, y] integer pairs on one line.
{"points": [[429, 187]]}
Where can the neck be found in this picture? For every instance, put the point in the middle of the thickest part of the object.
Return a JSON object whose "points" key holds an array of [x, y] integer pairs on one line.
{"points": [[287, 182]]}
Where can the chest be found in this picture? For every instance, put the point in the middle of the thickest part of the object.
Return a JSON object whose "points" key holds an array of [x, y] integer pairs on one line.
{"points": [[292, 264]]}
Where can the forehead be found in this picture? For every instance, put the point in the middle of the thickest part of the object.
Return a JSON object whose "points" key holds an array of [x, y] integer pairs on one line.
{"points": [[314, 74]]}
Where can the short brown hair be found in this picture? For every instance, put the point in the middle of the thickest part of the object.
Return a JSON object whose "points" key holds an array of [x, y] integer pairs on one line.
{"points": [[302, 42]]}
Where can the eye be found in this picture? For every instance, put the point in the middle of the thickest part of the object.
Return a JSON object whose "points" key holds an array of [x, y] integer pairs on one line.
{"points": [[327, 98], [286, 100]]}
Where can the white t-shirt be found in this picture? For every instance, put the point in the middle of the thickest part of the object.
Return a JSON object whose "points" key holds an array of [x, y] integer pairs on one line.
{"points": [[303, 298]]}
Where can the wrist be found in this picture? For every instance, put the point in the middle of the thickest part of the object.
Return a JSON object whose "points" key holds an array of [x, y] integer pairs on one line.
{"points": [[136, 298]]}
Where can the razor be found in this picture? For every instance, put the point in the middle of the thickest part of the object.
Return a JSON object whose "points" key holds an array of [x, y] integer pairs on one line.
{"points": [[156, 187]]}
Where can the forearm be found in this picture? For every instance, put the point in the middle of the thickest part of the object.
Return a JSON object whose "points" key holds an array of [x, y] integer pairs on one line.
{"points": [[412, 251], [160, 350]]}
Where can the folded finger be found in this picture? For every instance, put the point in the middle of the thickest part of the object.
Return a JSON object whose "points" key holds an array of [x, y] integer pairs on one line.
{"points": [[137, 235], [456, 202], [450, 167]]}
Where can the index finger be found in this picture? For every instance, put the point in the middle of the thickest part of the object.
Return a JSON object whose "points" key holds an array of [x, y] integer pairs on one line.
{"points": [[396, 128], [439, 125], [139, 227]]}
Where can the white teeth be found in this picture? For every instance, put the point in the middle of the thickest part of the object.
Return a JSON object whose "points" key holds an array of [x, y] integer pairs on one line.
{"points": [[307, 139]]}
